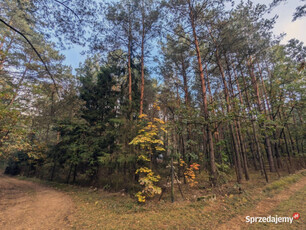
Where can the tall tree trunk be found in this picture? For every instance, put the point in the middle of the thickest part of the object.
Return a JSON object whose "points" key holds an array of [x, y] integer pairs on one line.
{"points": [[243, 151], [217, 138], [213, 169], [186, 96], [267, 139], [129, 66], [236, 155], [247, 132], [270, 115], [231, 126], [240, 138], [258, 149], [185, 82], [285, 138], [142, 64]]}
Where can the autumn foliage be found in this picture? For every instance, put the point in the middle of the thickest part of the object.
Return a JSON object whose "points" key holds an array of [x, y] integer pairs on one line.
{"points": [[148, 143]]}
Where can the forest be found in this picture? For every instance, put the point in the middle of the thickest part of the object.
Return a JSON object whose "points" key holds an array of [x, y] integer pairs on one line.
{"points": [[175, 96]]}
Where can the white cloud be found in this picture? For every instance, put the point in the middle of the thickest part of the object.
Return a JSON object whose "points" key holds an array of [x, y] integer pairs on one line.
{"points": [[293, 30], [284, 22]]}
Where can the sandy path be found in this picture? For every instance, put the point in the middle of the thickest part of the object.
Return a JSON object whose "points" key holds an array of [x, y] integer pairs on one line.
{"points": [[264, 207], [27, 205]]}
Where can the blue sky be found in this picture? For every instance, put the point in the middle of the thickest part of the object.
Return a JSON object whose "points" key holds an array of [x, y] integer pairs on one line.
{"points": [[283, 24]]}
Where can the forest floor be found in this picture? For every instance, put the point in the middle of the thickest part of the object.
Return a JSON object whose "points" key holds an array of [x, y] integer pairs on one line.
{"points": [[38, 204]]}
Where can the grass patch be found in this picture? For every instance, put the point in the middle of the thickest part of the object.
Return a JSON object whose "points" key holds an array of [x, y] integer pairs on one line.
{"points": [[282, 183]]}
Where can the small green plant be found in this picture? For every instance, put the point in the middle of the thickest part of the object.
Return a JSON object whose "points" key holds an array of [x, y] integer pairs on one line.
{"points": [[223, 169]]}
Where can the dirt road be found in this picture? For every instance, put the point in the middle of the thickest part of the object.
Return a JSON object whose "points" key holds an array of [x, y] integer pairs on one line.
{"points": [[27, 205]]}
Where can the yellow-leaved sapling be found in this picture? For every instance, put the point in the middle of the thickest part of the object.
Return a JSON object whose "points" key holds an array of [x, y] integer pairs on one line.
{"points": [[148, 142]]}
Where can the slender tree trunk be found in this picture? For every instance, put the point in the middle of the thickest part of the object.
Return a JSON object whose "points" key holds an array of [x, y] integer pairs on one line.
{"points": [[243, 151], [261, 162], [185, 82], [267, 139], [68, 177], [291, 140], [302, 142], [172, 181], [248, 134], [240, 138], [270, 115], [217, 138], [129, 67], [253, 152], [231, 126], [277, 151], [213, 169], [186, 91], [74, 173], [296, 135], [282, 133], [142, 64]]}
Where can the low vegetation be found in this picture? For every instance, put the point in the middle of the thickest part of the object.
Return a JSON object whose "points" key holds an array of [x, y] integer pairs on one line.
{"points": [[283, 183], [98, 209]]}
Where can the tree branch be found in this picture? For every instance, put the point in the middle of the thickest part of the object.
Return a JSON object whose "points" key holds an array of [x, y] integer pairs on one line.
{"points": [[39, 56], [63, 4]]}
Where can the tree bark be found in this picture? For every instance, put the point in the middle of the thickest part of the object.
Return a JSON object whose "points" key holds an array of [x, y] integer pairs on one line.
{"points": [[231, 126], [213, 169], [142, 64], [261, 162], [129, 68], [260, 109]]}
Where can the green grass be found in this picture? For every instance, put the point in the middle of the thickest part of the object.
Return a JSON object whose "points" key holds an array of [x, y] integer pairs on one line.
{"points": [[284, 182]]}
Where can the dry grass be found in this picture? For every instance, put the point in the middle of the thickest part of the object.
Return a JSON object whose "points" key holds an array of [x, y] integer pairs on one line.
{"points": [[296, 203], [97, 209]]}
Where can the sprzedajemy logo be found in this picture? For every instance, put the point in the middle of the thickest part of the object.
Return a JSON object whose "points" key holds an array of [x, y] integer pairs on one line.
{"points": [[272, 219]]}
